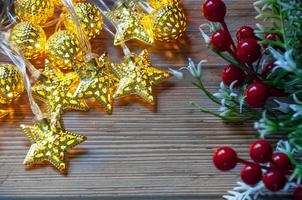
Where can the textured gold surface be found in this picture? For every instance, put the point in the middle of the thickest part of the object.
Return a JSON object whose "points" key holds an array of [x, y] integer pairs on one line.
{"points": [[59, 2], [90, 18], [11, 83], [50, 141], [157, 4], [55, 88], [3, 113], [131, 23], [96, 82], [169, 23], [29, 39], [36, 11], [137, 76], [63, 49]]}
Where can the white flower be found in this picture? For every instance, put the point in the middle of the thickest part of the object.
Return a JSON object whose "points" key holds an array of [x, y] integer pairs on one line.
{"points": [[284, 61], [177, 73], [194, 70], [245, 192], [282, 107], [296, 108], [265, 126], [203, 34]]}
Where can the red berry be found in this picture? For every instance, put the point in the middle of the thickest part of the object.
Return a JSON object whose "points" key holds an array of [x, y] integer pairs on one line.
{"points": [[271, 37], [274, 180], [261, 151], [248, 51], [214, 10], [267, 69], [256, 94], [251, 174], [281, 161], [245, 32], [225, 158], [232, 73], [298, 193], [221, 40]]}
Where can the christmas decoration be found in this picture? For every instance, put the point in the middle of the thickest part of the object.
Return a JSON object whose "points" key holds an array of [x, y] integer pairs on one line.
{"points": [[274, 178], [29, 39], [63, 49], [50, 141], [263, 76], [56, 88], [131, 23], [169, 23], [137, 76], [96, 82], [158, 4], [11, 84], [71, 72], [90, 18], [36, 11], [60, 4]]}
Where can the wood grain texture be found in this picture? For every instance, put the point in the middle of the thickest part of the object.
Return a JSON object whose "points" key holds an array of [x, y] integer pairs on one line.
{"points": [[138, 152]]}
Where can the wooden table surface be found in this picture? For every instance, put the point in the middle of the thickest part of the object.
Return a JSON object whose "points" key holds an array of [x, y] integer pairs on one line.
{"points": [[138, 152]]}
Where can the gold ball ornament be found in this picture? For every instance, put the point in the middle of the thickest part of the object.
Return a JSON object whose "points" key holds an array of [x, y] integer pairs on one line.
{"points": [[63, 49], [11, 83], [36, 11], [158, 4], [169, 23], [90, 18], [29, 39], [60, 4]]}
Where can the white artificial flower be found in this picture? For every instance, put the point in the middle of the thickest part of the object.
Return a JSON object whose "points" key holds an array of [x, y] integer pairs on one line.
{"points": [[282, 107], [177, 73], [265, 126], [203, 34], [284, 61], [194, 70]]}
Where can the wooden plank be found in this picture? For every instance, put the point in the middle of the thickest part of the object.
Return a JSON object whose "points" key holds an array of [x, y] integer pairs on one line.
{"points": [[138, 152]]}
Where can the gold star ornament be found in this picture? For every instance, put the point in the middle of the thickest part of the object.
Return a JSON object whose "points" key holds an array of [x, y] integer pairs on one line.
{"points": [[138, 76], [50, 142], [131, 23], [97, 82], [55, 88]]}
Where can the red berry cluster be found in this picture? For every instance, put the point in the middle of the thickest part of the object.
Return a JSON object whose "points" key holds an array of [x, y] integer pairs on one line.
{"points": [[246, 52], [273, 175]]}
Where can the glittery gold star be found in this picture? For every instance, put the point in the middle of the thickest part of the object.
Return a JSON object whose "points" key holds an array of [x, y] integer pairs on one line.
{"points": [[96, 82], [50, 142], [137, 76], [131, 23], [55, 88]]}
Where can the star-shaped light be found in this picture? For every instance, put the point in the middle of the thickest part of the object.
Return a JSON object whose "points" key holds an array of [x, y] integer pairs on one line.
{"points": [[131, 23], [96, 82], [50, 141], [137, 76], [55, 88]]}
